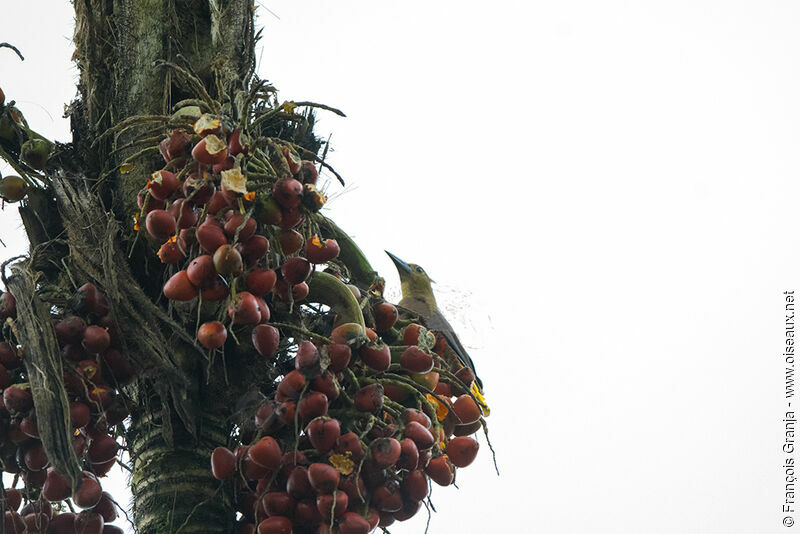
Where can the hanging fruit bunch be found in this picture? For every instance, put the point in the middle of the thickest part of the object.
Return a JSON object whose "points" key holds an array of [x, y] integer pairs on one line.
{"points": [[362, 410], [94, 368]]}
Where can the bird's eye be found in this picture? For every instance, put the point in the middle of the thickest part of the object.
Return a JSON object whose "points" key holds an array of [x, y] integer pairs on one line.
{"points": [[419, 270]]}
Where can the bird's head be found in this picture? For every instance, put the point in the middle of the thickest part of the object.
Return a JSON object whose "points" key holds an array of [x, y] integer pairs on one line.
{"points": [[413, 278]]}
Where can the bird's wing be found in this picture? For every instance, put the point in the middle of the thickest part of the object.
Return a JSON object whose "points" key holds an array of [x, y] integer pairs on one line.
{"points": [[438, 323]]}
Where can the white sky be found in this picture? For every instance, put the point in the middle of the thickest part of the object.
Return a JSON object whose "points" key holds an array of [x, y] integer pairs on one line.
{"points": [[606, 193]]}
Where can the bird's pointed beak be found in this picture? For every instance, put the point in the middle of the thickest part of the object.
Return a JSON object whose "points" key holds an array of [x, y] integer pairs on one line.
{"points": [[400, 264]]}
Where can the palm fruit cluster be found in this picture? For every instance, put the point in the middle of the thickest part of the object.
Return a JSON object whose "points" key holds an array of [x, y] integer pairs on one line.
{"points": [[358, 416], [94, 369]]}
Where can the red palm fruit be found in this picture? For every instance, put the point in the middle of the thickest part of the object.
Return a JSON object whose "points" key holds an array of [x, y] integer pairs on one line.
{"points": [[339, 355], [306, 512], [36, 523], [178, 144], [223, 463], [409, 454], [466, 375], [414, 485], [326, 384], [323, 432], [263, 310], [409, 510], [278, 503], [313, 404], [237, 142], [101, 397], [68, 330], [183, 213], [33, 479], [89, 492], [217, 290], [238, 222], [56, 486], [266, 452], [8, 306], [170, 252], [443, 389], [79, 414], [292, 385], [323, 477], [348, 334], [106, 508], [293, 160], [296, 270], [228, 261], [17, 398], [336, 502], [210, 236], [103, 449], [467, 430], [91, 300], [411, 334], [178, 287], [35, 458], [95, 339], [219, 201], [29, 427], [114, 529], [291, 218], [427, 380], [160, 224], [201, 271], [286, 412], [387, 497], [210, 150], [13, 499], [413, 414], [162, 184], [462, 450], [186, 238], [321, 250], [63, 523], [308, 172], [352, 443], [212, 335], [260, 281], [307, 358], [252, 470], [298, 292], [420, 435], [244, 309], [298, 485], [253, 249], [385, 316], [13, 522], [226, 165], [275, 524], [466, 410], [376, 355], [9, 357], [265, 340], [288, 192], [369, 398], [353, 523], [441, 471], [89, 371], [197, 190], [416, 360], [89, 522], [147, 203], [395, 392], [385, 451], [290, 241]]}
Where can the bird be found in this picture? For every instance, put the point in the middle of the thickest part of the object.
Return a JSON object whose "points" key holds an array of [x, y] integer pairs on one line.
{"points": [[418, 298]]}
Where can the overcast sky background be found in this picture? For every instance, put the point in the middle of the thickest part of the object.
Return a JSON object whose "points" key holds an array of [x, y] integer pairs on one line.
{"points": [[606, 194]]}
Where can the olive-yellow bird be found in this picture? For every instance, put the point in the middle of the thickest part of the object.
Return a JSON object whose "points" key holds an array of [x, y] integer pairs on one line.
{"points": [[418, 298]]}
